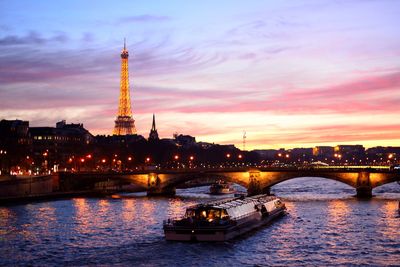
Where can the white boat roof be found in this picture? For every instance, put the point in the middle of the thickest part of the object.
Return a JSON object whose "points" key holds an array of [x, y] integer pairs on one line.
{"points": [[236, 202]]}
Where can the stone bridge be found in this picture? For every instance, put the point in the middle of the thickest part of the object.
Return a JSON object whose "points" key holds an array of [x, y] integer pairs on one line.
{"points": [[255, 180]]}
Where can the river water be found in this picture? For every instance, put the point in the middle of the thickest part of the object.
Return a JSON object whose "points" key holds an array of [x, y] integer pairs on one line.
{"points": [[325, 226]]}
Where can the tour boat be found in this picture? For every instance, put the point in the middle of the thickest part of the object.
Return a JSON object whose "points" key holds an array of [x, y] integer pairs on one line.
{"points": [[224, 219], [221, 187]]}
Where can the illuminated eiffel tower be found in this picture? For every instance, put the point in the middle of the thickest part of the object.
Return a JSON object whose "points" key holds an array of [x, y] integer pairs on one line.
{"points": [[124, 124]]}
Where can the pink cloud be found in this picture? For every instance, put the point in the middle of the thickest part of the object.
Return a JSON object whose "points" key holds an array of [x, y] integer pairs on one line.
{"points": [[341, 99]]}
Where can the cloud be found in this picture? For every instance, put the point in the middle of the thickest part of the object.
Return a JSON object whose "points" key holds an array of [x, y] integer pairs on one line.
{"points": [[371, 94], [32, 38], [144, 18]]}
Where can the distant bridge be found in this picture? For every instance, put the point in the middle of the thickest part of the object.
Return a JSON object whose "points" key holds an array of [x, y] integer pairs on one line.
{"points": [[256, 180]]}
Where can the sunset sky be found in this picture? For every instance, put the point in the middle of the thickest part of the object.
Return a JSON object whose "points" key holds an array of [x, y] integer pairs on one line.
{"points": [[289, 73]]}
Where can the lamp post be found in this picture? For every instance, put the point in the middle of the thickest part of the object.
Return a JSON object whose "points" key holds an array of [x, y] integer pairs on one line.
{"points": [[191, 158], [129, 162], [45, 161], [3, 154], [176, 159], [240, 157], [81, 162]]}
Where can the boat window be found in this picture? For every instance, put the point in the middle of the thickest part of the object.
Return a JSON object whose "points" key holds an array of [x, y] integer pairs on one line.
{"points": [[190, 213], [215, 213], [203, 214], [224, 214]]}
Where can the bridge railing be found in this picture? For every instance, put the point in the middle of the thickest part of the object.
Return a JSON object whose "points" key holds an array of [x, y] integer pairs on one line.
{"points": [[348, 168]]}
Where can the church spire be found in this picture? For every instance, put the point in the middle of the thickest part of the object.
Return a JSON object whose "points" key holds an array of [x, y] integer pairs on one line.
{"points": [[153, 132], [153, 126]]}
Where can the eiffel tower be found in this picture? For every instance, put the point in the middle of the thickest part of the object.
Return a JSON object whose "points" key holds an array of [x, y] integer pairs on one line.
{"points": [[124, 124]]}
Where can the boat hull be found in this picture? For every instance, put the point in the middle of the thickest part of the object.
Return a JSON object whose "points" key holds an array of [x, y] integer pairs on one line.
{"points": [[219, 233]]}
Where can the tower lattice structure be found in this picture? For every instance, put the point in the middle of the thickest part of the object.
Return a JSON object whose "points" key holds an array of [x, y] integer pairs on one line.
{"points": [[124, 124]]}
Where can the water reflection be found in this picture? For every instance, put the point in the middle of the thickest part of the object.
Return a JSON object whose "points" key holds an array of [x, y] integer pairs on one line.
{"points": [[128, 212], [338, 210], [390, 221], [147, 211], [7, 219], [82, 216]]}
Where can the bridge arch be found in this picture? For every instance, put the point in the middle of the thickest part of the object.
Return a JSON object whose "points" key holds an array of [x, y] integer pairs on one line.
{"points": [[176, 181], [288, 178], [396, 185], [315, 184]]}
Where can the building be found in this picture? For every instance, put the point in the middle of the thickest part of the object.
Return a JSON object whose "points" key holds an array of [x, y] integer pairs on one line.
{"points": [[153, 132], [14, 132], [301, 153], [323, 151], [266, 154], [349, 150], [124, 124], [184, 140], [15, 144], [54, 145], [63, 133]]}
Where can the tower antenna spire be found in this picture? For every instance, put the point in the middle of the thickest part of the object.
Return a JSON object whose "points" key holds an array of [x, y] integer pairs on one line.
{"points": [[124, 43], [244, 140]]}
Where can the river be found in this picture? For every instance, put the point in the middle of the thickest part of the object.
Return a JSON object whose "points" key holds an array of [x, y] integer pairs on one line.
{"points": [[325, 226]]}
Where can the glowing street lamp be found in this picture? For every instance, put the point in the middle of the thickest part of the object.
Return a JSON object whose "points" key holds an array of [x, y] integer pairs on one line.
{"points": [[103, 161], [176, 157], [129, 158], [191, 158], [228, 155], [148, 159], [240, 156]]}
